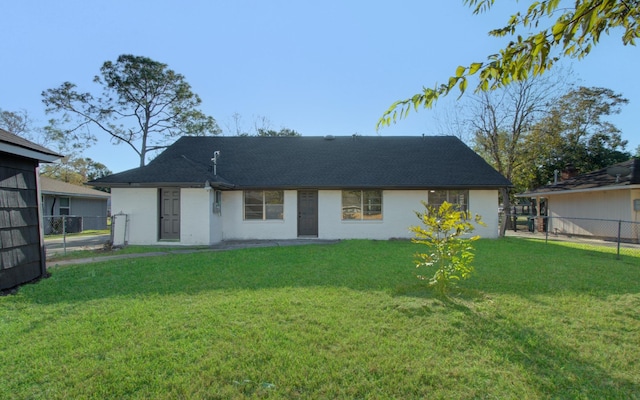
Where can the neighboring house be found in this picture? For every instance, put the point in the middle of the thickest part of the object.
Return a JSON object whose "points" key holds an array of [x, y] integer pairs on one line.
{"points": [[22, 256], [581, 204], [89, 207], [203, 190]]}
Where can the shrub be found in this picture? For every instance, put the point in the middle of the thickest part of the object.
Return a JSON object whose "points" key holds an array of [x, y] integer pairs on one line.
{"points": [[450, 251]]}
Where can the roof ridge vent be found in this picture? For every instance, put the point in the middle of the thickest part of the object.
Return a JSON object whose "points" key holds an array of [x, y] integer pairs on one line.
{"points": [[329, 137]]}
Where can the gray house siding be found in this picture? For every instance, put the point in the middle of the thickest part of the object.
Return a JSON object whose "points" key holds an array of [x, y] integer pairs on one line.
{"points": [[87, 208], [21, 252], [92, 211]]}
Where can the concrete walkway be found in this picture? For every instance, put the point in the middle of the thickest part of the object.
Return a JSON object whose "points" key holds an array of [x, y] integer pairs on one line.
{"points": [[60, 245], [223, 246]]}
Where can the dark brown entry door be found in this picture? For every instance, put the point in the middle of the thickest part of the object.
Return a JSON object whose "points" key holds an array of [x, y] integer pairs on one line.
{"points": [[170, 213], [307, 213]]}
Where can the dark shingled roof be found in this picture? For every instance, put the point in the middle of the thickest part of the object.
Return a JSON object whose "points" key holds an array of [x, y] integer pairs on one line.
{"points": [[315, 162], [10, 138], [616, 176]]}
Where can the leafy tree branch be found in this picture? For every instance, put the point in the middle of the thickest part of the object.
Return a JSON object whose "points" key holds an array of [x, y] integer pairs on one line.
{"points": [[143, 104], [573, 33]]}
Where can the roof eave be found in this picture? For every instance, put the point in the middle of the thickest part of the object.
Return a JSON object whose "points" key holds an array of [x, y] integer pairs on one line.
{"points": [[383, 187], [573, 191], [149, 185], [29, 153], [76, 195]]}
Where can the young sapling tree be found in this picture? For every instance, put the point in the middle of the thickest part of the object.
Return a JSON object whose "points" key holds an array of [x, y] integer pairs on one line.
{"points": [[445, 230]]}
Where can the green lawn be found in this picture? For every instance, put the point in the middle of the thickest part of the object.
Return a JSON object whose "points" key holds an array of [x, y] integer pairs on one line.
{"points": [[347, 320]]}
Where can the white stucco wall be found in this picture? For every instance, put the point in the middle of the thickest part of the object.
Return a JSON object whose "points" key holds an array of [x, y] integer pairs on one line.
{"points": [[485, 203], [398, 208], [236, 228], [197, 225], [397, 216], [196, 214], [141, 207], [201, 225]]}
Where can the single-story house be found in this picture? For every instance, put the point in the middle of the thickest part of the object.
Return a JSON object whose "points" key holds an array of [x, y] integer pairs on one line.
{"points": [[204, 190], [22, 257], [88, 207], [588, 204]]}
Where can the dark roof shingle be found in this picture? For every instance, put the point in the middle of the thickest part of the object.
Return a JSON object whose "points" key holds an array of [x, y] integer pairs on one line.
{"points": [[316, 162], [609, 177], [11, 139]]}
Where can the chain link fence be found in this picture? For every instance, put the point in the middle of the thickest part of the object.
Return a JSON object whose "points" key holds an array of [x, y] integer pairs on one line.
{"points": [[66, 224], [623, 235], [63, 232]]}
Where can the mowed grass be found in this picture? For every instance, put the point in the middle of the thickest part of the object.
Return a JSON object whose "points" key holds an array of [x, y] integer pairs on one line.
{"points": [[346, 320]]}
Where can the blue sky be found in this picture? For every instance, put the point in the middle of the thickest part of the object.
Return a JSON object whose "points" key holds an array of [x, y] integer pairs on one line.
{"points": [[318, 67]]}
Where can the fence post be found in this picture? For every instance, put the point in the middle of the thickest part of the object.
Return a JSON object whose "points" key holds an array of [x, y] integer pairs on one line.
{"points": [[113, 223], [546, 229], [619, 232], [64, 235], [124, 233]]}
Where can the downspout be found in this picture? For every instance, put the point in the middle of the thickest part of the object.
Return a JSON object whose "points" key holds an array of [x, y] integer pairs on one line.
{"points": [[43, 254]]}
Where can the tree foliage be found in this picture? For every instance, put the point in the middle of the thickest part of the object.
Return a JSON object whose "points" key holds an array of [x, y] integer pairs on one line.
{"points": [[261, 127], [76, 170], [143, 104], [552, 32], [17, 122], [273, 133], [575, 133], [69, 143], [501, 120], [73, 167], [451, 254]]}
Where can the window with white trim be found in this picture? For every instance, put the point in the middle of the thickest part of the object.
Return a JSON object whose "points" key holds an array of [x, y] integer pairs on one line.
{"points": [[65, 206], [363, 205], [263, 204], [459, 198]]}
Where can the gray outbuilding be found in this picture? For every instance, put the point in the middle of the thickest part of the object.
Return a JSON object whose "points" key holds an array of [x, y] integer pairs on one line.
{"points": [[22, 257]]}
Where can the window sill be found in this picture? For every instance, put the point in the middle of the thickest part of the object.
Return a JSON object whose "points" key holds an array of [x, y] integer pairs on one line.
{"points": [[362, 221]]}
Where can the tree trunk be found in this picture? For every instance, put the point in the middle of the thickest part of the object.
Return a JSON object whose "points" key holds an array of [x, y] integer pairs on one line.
{"points": [[506, 208]]}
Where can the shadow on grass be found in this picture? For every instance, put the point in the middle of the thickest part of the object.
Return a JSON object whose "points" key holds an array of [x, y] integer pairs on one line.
{"points": [[510, 267], [550, 367]]}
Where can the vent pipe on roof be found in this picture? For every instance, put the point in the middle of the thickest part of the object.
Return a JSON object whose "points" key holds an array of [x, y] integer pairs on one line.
{"points": [[216, 155]]}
